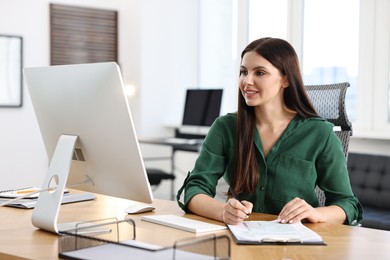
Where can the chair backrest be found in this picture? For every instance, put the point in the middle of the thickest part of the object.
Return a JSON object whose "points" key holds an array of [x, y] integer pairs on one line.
{"points": [[329, 101]]}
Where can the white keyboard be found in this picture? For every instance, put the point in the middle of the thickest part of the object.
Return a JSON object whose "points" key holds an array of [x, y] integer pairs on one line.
{"points": [[183, 223], [76, 197], [67, 198], [176, 140]]}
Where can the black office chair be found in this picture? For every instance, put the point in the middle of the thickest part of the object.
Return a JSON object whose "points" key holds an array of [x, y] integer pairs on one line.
{"points": [[156, 176], [329, 101]]}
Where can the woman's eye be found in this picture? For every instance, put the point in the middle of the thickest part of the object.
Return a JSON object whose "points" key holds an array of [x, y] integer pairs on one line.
{"points": [[243, 72], [260, 73]]}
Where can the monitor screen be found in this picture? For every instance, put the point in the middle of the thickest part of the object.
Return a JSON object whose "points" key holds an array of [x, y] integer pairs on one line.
{"points": [[88, 101], [202, 107]]}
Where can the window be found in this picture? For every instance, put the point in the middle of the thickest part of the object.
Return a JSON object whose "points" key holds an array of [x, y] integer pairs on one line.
{"points": [[387, 102], [388, 97], [331, 45], [372, 98]]}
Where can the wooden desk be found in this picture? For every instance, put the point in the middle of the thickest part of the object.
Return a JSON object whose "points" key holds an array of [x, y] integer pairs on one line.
{"points": [[20, 240]]}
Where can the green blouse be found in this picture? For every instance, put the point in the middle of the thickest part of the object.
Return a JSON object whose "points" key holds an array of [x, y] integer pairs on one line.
{"points": [[307, 154]]}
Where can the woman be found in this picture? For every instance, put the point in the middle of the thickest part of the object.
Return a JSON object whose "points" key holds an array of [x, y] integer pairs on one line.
{"points": [[273, 151]]}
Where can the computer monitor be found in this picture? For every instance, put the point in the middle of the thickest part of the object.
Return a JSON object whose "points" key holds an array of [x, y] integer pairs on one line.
{"points": [[84, 115], [201, 108]]}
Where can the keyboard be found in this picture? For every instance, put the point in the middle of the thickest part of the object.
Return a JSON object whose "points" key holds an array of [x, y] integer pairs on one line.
{"points": [[183, 223], [67, 198], [77, 197], [176, 140]]}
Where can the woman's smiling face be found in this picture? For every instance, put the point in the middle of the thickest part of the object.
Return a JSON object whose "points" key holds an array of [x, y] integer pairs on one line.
{"points": [[260, 82]]}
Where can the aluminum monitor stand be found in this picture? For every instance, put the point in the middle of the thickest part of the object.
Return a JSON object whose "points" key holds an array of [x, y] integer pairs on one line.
{"points": [[46, 210]]}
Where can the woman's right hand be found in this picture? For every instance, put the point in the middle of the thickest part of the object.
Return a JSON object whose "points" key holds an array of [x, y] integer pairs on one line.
{"points": [[234, 211]]}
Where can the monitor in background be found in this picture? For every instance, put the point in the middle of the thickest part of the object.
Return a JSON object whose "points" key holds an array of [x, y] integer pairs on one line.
{"points": [[84, 115], [202, 107]]}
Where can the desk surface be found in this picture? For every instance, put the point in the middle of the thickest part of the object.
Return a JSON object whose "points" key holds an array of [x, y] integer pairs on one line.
{"points": [[20, 240]]}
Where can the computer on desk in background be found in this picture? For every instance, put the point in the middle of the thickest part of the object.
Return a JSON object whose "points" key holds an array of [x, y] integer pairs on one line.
{"points": [[201, 108], [84, 115]]}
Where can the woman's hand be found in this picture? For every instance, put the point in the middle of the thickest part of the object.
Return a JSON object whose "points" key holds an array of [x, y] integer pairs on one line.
{"points": [[234, 211], [298, 209]]}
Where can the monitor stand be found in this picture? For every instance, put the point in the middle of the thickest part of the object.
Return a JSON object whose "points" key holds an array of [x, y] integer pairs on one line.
{"points": [[46, 210]]}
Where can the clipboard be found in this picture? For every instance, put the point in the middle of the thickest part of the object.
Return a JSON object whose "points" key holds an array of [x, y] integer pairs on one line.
{"points": [[113, 239], [274, 233]]}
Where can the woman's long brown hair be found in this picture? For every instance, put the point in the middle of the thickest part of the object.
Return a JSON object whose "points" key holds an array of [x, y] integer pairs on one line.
{"points": [[281, 55]]}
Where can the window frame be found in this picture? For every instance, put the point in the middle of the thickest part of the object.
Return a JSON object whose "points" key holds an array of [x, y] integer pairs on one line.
{"points": [[374, 52]]}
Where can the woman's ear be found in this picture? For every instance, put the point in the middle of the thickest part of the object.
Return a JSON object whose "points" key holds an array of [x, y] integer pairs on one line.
{"points": [[285, 83]]}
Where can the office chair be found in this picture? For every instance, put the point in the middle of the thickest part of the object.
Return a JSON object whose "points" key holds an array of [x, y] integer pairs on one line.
{"points": [[329, 101], [156, 176]]}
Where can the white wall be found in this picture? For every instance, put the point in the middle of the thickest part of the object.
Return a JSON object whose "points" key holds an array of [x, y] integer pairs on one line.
{"points": [[157, 52], [169, 60], [21, 154], [168, 66]]}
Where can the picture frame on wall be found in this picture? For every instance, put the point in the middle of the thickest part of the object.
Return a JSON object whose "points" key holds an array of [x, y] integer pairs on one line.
{"points": [[11, 65]]}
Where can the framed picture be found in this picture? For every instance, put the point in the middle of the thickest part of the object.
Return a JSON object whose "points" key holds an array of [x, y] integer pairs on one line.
{"points": [[11, 64]]}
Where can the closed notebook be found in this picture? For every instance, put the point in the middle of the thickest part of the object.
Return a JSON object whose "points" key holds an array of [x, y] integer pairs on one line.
{"points": [[272, 232]]}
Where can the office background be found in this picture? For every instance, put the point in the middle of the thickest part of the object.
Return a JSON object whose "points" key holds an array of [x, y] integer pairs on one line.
{"points": [[161, 54]]}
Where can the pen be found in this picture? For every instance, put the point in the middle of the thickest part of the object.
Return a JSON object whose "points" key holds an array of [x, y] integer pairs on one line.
{"points": [[235, 196], [281, 241], [233, 193], [26, 191]]}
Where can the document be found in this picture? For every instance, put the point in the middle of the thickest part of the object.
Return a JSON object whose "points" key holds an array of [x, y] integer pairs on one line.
{"points": [[273, 232]]}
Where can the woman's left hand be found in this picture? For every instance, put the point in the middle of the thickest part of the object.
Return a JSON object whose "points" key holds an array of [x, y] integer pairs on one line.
{"points": [[296, 210]]}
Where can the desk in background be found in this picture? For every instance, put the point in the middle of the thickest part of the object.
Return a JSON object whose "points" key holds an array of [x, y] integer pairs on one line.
{"points": [[181, 142], [20, 240]]}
